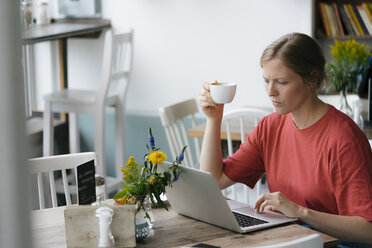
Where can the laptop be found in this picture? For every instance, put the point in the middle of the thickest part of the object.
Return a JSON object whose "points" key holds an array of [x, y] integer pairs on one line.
{"points": [[195, 194]]}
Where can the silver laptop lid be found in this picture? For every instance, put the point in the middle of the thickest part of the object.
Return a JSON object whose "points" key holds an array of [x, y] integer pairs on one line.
{"points": [[196, 195]]}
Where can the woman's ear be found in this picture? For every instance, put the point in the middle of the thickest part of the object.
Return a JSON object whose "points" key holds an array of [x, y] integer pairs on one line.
{"points": [[313, 79]]}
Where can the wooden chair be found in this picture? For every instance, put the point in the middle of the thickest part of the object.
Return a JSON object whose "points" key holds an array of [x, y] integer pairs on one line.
{"points": [[310, 241], [117, 57], [43, 165], [241, 121], [173, 119]]}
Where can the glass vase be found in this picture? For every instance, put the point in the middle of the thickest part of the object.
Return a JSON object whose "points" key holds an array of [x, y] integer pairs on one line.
{"points": [[146, 212], [344, 105]]}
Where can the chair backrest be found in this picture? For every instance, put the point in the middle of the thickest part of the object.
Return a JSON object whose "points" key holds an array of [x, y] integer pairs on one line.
{"points": [[173, 120], [116, 71], [310, 241], [116, 65], [49, 165], [240, 122]]}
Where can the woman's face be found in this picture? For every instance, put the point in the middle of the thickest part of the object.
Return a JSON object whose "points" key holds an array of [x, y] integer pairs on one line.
{"points": [[286, 89]]}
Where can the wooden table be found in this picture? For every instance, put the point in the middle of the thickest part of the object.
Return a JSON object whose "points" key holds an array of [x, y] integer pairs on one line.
{"points": [[60, 30], [198, 131], [173, 230]]}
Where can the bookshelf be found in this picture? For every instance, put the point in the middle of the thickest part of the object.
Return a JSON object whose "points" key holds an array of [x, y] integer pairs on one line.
{"points": [[336, 13], [354, 17]]}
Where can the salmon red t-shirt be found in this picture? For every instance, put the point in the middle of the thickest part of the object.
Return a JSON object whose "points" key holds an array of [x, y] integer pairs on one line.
{"points": [[326, 167]]}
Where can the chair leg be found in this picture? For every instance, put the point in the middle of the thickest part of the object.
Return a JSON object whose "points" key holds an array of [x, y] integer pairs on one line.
{"points": [[99, 142], [48, 130], [119, 139], [246, 194], [73, 129]]}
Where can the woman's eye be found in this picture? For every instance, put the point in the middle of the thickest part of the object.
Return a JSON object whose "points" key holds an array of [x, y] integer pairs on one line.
{"points": [[282, 83]]}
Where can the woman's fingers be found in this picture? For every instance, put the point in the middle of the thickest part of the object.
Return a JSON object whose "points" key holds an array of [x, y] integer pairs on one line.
{"points": [[273, 200], [206, 86], [264, 204], [277, 202], [205, 98], [259, 201], [206, 103]]}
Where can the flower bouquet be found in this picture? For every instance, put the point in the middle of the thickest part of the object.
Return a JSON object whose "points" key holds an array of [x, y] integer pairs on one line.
{"points": [[350, 60], [144, 181]]}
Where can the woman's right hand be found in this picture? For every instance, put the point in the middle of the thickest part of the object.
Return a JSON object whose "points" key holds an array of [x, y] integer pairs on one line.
{"points": [[206, 103]]}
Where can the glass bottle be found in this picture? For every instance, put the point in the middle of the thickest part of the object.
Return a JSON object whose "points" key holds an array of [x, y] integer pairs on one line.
{"points": [[26, 14], [344, 105], [100, 188], [146, 212], [42, 13]]}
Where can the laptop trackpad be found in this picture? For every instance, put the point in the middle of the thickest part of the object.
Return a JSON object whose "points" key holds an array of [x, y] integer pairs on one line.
{"points": [[234, 204]]}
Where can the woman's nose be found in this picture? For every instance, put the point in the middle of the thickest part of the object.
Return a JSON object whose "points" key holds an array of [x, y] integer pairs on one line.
{"points": [[270, 89]]}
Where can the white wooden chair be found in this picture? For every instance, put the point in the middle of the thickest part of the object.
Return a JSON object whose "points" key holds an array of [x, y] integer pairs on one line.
{"points": [[310, 241], [117, 58], [242, 120], [173, 119], [45, 167]]}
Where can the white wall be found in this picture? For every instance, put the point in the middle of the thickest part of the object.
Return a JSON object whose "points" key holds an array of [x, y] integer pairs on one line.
{"points": [[181, 43]]}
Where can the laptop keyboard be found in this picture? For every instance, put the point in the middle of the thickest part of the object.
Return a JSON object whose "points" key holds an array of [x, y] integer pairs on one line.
{"points": [[246, 221]]}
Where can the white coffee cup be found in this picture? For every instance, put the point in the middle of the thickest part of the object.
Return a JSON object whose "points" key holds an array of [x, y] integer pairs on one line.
{"points": [[222, 92]]}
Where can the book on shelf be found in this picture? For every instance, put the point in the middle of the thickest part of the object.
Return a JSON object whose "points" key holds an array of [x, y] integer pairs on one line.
{"points": [[353, 14], [351, 20], [360, 20], [324, 19], [370, 7], [367, 10], [332, 20], [365, 18], [345, 20], [338, 18]]}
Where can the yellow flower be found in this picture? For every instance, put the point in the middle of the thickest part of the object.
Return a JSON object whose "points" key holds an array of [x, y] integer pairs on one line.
{"points": [[153, 180], [157, 157], [126, 172], [128, 199], [131, 161]]}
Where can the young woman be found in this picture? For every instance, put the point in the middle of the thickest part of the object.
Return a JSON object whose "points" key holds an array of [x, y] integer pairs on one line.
{"points": [[317, 161]]}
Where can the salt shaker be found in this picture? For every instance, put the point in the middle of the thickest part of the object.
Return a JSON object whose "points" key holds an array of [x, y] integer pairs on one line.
{"points": [[105, 237]]}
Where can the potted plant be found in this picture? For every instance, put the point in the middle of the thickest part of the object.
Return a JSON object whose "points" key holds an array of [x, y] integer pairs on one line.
{"points": [[350, 60]]}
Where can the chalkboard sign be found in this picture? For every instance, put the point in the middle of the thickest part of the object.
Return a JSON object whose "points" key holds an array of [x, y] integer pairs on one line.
{"points": [[86, 183]]}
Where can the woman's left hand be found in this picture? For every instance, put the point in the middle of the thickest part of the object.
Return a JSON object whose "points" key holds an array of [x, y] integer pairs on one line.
{"points": [[277, 202]]}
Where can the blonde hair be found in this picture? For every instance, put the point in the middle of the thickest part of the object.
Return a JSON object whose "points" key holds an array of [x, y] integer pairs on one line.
{"points": [[301, 54]]}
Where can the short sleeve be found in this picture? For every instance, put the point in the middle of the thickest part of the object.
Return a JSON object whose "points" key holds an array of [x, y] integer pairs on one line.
{"points": [[246, 164], [351, 177]]}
